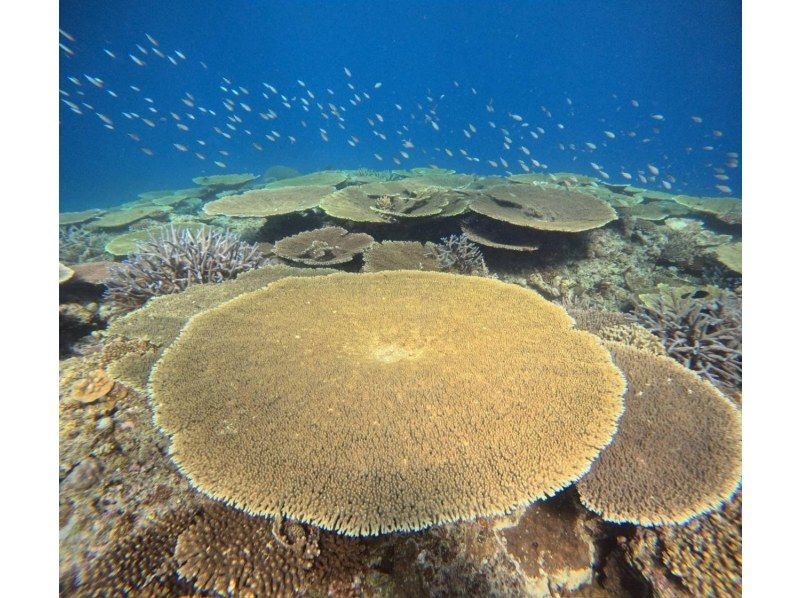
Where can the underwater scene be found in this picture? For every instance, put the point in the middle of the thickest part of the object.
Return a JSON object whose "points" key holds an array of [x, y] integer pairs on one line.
{"points": [[425, 298]]}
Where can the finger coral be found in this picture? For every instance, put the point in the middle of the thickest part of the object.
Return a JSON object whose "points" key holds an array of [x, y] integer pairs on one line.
{"points": [[678, 450], [174, 260], [369, 403]]}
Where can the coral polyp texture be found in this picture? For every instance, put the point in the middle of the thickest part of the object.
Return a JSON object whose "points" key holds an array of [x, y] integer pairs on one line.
{"points": [[678, 451], [371, 403], [173, 260], [399, 255]]}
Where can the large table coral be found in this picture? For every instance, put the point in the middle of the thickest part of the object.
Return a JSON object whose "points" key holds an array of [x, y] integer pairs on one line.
{"points": [[368, 403]]}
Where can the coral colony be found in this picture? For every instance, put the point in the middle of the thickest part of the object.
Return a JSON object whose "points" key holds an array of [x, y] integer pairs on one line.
{"points": [[171, 261], [430, 304]]}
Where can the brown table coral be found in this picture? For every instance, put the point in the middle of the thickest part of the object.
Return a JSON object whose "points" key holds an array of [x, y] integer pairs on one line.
{"points": [[678, 449], [323, 246], [368, 403]]}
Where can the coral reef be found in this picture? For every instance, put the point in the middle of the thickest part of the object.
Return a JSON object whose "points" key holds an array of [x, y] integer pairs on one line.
{"points": [[419, 404], [458, 254], [177, 259], [704, 335], [677, 452], [427, 409], [77, 245], [75, 320]]}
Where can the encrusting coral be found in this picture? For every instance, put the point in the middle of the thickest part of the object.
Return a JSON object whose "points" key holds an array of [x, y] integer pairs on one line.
{"points": [[411, 398], [142, 564], [177, 259], [677, 452]]}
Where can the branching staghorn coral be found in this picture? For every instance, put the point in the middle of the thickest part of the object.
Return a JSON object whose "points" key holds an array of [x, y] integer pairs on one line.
{"points": [[704, 335], [77, 245], [457, 253], [174, 260]]}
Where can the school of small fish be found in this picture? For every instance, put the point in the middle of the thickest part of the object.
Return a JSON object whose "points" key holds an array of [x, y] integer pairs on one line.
{"points": [[211, 124]]}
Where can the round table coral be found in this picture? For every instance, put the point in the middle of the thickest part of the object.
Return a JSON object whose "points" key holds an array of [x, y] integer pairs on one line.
{"points": [[371, 403]]}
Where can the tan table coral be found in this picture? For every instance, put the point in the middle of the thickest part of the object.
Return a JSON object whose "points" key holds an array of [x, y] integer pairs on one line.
{"points": [[727, 209], [325, 178], [678, 452], [323, 246], [222, 181], [269, 202], [64, 273], [123, 217], [730, 256], [543, 208], [400, 255], [67, 218], [369, 403]]}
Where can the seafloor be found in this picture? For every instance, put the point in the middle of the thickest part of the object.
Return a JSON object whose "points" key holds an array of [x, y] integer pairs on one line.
{"points": [[659, 272]]}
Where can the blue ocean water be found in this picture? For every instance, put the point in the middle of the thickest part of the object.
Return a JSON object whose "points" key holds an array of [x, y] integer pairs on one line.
{"points": [[559, 78]]}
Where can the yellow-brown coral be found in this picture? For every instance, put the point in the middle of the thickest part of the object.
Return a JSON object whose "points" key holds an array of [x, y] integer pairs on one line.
{"points": [[224, 180], [228, 552], [368, 403], [706, 553], [323, 246], [399, 255], [678, 450], [92, 388], [268, 202], [543, 208]]}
